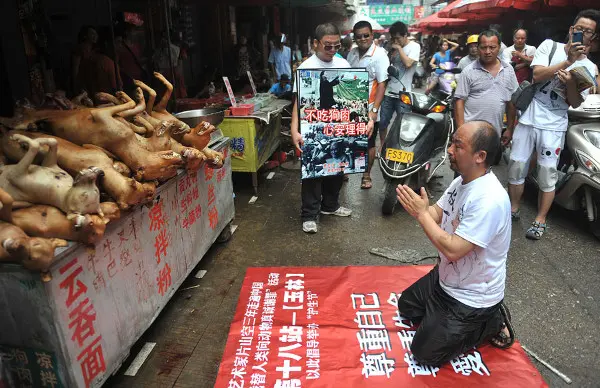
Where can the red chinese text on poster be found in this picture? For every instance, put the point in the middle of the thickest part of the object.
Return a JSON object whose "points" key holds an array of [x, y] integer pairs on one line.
{"points": [[162, 239], [82, 316], [339, 326]]}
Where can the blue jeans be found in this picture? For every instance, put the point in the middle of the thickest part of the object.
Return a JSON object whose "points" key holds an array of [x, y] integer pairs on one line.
{"points": [[388, 107]]}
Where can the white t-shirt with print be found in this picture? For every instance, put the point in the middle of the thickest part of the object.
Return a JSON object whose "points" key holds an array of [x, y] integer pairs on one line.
{"points": [[548, 110], [313, 62], [376, 62], [479, 212], [394, 86]]}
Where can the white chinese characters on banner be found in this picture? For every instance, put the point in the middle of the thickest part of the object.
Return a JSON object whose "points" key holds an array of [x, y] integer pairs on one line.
{"points": [[297, 354], [373, 337], [464, 364]]}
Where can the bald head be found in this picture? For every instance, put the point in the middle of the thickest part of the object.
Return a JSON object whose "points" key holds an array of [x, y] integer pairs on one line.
{"points": [[484, 137]]}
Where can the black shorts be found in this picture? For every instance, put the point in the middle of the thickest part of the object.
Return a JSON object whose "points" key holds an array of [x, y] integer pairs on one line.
{"points": [[374, 135]]}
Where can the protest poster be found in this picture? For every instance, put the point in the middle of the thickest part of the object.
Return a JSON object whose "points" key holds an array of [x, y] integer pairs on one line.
{"points": [[340, 327], [333, 112]]}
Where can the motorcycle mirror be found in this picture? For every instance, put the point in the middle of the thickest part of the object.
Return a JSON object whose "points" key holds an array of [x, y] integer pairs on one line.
{"points": [[393, 72], [456, 70]]}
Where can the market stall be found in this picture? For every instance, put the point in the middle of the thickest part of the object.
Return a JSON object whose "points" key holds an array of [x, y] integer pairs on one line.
{"points": [[254, 133], [77, 329]]}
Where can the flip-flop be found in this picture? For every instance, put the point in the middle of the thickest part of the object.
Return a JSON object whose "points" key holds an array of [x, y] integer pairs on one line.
{"points": [[366, 182], [501, 340], [536, 231]]}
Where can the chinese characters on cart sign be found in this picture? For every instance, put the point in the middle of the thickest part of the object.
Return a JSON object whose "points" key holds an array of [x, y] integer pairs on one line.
{"points": [[81, 322], [162, 239]]}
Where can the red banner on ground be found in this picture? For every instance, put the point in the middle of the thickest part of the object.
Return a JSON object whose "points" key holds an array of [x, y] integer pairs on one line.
{"points": [[339, 327]]}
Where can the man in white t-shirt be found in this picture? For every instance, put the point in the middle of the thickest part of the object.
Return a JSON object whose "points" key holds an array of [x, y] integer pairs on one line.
{"points": [[320, 194], [520, 55], [459, 303], [404, 55], [374, 58], [543, 125]]}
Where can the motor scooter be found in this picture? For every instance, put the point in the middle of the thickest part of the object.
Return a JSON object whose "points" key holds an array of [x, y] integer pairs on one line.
{"points": [[416, 144], [578, 186], [446, 81]]}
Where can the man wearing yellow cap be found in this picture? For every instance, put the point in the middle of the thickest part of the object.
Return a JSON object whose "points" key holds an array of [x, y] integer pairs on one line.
{"points": [[472, 42]]}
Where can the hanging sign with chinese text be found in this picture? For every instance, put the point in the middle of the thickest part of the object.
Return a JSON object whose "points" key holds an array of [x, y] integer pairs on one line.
{"points": [[333, 112], [340, 327], [389, 14]]}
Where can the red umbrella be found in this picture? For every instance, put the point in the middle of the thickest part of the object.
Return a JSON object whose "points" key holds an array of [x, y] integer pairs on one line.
{"points": [[434, 21], [466, 8], [572, 3], [445, 12]]}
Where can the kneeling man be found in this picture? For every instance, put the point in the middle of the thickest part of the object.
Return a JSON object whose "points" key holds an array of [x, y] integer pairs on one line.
{"points": [[459, 303]]}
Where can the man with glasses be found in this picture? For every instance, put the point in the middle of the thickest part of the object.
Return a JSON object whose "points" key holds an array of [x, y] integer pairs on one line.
{"points": [[543, 125], [404, 56], [320, 194], [375, 60]]}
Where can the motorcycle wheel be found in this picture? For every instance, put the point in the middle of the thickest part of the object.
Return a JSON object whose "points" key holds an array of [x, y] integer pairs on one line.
{"points": [[595, 225], [390, 200]]}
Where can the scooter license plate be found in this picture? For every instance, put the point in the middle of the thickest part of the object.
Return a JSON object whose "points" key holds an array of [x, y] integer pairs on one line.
{"points": [[399, 156]]}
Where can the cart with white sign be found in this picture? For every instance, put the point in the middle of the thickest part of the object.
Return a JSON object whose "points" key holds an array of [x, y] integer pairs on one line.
{"points": [[78, 328]]}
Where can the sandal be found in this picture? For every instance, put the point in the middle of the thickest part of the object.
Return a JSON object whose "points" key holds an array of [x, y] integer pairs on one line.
{"points": [[366, 182], [516, 215], [536, 231], [501, 340]]}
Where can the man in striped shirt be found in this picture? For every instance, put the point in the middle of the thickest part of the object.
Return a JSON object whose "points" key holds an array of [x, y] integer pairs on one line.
{"points": [[486, 86]]}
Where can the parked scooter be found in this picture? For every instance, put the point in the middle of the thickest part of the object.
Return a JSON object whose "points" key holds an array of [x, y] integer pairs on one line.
{"points": [[446, 81], [578, 186], [416, 144]]}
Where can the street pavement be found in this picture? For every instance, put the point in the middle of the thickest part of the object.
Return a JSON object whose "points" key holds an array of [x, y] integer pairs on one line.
{"points": [[553, 285]]}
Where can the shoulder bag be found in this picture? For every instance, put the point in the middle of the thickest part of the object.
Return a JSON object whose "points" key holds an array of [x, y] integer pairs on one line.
{"points": [[524, 94]]}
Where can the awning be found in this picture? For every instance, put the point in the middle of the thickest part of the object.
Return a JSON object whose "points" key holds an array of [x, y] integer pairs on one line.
{"points": [[349, 24], [445, 13], [466, 8], [434, 21], [573, 3]]}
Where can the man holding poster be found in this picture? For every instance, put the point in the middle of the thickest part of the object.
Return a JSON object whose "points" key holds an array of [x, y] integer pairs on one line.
{"points": [[319, 194], [459, 303]]}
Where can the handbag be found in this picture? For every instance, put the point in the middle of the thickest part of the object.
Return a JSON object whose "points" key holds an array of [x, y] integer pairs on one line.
{"points": [[524, 94]]}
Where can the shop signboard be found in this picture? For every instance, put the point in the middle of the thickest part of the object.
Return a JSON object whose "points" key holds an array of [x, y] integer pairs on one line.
{"points": [[22, 367], [340, 327], [389, 14], [229, 91], [419, 12], [252, 84], [333, 112]]}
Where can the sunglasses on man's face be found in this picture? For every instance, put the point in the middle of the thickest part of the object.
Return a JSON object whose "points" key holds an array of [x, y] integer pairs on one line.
{"points": [[363, 36], [331, 47]]}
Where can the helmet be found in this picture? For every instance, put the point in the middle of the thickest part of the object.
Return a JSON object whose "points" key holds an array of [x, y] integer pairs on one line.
{"points": [[473, 39]]}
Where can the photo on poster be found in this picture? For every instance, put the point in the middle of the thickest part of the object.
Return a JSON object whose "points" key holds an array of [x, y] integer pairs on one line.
{"points": [[333, 112]]}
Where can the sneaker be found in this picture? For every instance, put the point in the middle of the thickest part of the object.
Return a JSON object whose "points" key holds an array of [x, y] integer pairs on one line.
{"points": [[309, 227], [340, 212]]}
